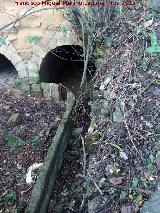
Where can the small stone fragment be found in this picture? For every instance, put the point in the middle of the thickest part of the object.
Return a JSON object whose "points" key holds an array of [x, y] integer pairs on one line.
{"points": [[102, 88], [15, 119]]}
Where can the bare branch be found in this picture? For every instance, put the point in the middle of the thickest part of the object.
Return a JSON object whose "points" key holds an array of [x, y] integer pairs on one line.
{"points": [[28, 14]]}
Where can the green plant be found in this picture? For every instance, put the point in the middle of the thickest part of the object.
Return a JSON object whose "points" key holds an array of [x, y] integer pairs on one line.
{"points": [[35, 138], [2, 41], [150, 162], [10, 197], [65, 192], [135, 182], [154, 48], [139, 197], [138, 29], [34, 39], [13, 140]]}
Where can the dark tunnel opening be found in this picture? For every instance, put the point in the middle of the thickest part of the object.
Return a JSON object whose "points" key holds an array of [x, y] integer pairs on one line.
{"points": [[64, 65], [7, 70]]}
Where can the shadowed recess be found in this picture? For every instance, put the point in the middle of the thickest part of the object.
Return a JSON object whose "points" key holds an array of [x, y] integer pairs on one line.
{"points": [[7, 70], [64, 65]]}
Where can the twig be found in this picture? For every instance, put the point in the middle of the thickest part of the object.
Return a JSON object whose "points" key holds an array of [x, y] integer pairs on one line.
{"points": [[83, 202], [130, 137], [27, 190], [101, 193], [114, 145], [84, 156], [24, 15], [91, 179]]}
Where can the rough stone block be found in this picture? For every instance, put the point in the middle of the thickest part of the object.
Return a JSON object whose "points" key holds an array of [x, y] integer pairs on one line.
{"points": [[25, 54], [50, 89], [12, 36], [47, 18], [58, 17], [31, 21], [5, 19], [23, 35], [39, 51], [32, 66], [153, 205], [14, 119], [10, 52], [33, 74], [21, 69]]}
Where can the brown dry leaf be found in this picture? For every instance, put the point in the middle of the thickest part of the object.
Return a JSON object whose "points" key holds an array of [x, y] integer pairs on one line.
{"points": [[17, 93], [147, 175], [116, 180]]}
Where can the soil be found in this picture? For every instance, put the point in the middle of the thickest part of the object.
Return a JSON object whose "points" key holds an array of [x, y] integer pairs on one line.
{"points": [[24, 142]]}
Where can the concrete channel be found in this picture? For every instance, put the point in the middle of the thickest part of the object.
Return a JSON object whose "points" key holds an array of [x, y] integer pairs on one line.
{"points": [[44, 185]]}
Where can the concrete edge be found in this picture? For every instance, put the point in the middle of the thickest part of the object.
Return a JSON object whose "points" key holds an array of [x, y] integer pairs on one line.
{"points": [[44, 185]]}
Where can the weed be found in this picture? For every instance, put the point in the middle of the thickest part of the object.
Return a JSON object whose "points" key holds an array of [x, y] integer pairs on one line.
{"points": [[13, 140], [10, 197]]}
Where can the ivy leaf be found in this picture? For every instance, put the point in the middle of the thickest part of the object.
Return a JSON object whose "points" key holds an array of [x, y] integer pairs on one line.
{"points": [[139, 197], [150, 162], [35, 139], [154, 41], [2, 41], [34, 39], [154, 45], [135, 182], [153, 49]]}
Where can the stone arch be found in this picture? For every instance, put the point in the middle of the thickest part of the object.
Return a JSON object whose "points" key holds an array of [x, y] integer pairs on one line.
{"points": [[64, 65], [7, 70], [11, 54]]}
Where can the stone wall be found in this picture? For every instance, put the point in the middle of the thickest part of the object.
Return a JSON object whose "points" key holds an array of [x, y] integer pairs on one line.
{"points": [[26, 42]]}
